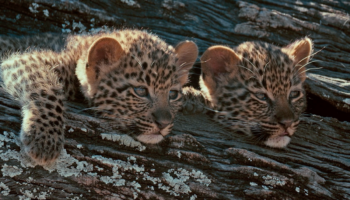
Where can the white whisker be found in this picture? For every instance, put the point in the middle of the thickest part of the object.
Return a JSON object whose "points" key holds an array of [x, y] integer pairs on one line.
{"points": [[182, 64], [92, 108], [266, 66], [247, 69], [309, 63], [251, 63], [309, 56], [308, 70]]}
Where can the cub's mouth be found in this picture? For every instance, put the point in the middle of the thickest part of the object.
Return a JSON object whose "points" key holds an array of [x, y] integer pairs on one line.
{"points": [[284, 133], [155, 135], [275, 137]]}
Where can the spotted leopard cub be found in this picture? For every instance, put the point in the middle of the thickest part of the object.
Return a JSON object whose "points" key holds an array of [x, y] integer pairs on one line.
{"points": [[256, 88], [130, 76]]}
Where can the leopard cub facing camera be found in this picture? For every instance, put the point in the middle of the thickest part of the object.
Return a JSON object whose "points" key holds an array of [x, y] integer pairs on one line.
{"points": [[128, 75], [256, 89]]}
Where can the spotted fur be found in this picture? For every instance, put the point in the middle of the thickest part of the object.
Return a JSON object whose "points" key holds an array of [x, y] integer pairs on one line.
{"points": [[257, 88], [130, 76]]}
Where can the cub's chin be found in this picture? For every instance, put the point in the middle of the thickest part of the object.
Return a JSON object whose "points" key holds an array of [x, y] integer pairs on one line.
{"points": [[150, 139], [277, 141]]}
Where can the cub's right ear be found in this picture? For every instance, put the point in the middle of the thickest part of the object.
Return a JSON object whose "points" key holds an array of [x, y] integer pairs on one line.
{"points": [[301, 51], [216, 61], [187, 53]]}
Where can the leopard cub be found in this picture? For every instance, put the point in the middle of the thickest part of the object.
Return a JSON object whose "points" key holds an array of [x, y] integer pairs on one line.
{"points": [[131, 76], [256, 88]]}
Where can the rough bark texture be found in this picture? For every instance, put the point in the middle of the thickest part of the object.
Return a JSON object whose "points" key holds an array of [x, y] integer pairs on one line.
{"points": [[199, 160]]}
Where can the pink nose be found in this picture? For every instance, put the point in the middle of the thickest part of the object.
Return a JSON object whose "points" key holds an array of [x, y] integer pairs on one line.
{"points": [[162, 118]]}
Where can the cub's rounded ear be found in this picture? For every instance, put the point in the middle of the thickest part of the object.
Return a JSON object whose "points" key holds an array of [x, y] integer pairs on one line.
{"points": [[187, 53], [301, 51], [216, 61], [104, 50]]}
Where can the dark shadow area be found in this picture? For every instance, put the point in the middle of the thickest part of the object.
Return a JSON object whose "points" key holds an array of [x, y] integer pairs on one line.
{"points": [[195, 73], [315, 105]]}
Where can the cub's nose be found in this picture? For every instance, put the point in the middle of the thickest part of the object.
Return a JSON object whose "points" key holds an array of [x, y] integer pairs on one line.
{"points": [[284, 114], [162, 118]]}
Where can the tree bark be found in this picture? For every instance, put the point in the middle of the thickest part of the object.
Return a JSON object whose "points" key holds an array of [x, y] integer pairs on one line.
{"points": [[199, 160]]}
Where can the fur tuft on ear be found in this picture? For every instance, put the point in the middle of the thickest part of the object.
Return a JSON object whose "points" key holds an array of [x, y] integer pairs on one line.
{"points": [[217, 60], [187, 53], [301, 51]]}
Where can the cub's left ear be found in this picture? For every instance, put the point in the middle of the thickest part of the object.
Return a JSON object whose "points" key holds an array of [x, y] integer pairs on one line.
{"points": [[104, 50], [187, 53], [301, 50]]}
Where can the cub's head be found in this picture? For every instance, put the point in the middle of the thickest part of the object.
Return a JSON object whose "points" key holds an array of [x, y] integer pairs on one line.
{"points": [[258, 88], [136, 79]]}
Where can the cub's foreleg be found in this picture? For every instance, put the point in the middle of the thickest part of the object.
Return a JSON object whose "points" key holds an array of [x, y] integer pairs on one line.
{"points": [[36, 87]]}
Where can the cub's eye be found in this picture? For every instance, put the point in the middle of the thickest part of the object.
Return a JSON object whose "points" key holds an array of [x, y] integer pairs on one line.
{"points": [[141, 91], [261, 96], [173, 94], [294, 94]]}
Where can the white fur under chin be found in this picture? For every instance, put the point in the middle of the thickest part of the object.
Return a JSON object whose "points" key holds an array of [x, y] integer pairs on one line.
{"points": [[278, 142], [150, 139]]}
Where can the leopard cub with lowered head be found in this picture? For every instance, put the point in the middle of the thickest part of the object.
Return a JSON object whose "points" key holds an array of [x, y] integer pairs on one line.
{"points": [[256, 89], [130, 76]]}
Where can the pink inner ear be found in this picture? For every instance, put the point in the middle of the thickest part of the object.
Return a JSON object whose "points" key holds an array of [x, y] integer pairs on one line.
{"points": [[187, 53], [219, 59], [301, 50], [105, 49], [302, 53], [220, 65], [103, 53]]}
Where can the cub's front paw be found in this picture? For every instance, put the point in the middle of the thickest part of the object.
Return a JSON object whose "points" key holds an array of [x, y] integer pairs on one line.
{"points": [[193, 101], [193, 108], [43, 146]]}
